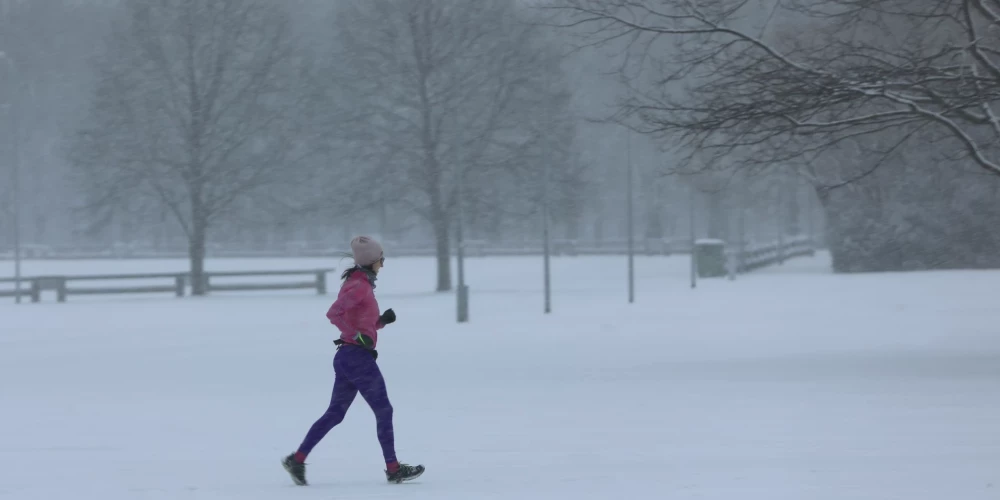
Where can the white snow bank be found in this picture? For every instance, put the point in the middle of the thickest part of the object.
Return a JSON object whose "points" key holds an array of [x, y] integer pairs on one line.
{"points": [[783, 385]]}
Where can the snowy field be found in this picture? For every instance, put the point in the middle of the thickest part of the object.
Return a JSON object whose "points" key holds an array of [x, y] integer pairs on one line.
{"points": [[787, 384]]}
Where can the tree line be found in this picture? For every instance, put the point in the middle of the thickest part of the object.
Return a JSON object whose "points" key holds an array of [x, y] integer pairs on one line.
{"points": [[207, 109], [888, 108], [213, 119], [184, 125]]}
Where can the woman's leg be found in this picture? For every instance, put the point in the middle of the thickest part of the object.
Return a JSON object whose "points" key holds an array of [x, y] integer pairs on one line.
{"points": [[371, 385], [344, 392]]}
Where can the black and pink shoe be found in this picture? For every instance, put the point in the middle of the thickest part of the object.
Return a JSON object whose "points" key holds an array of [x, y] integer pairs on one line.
{"points": [[403, 472], [296, 468]]}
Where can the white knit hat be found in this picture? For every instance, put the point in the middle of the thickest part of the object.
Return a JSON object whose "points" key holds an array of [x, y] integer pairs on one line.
{"points": [[366, 250]]}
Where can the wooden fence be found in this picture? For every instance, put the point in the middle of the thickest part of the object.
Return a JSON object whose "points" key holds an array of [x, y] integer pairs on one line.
{"points": [[173, 283], [472, 248], [758, 256]]}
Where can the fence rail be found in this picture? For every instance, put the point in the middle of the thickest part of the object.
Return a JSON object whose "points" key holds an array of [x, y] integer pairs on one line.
{"points": [[749, 258], [318, 282], [759, 256], [175, 283], [716, 258], [472, 247]]}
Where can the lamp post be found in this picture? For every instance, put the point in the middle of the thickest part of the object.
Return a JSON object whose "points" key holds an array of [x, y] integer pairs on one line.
{"points": [[780, 218], [462, 293], [546, 249], [630, 218], [693, 236], [15, 176]]}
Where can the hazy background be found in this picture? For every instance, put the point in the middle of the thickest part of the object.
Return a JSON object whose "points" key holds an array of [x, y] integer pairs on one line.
{"points": [[172, 127], [829, 143]]}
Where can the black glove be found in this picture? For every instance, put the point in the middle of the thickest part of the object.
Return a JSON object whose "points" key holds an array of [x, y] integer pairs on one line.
{"points": [[387, 317]]}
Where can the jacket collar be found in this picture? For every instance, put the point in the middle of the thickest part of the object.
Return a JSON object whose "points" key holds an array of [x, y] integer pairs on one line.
{"points": [[364, 272]]}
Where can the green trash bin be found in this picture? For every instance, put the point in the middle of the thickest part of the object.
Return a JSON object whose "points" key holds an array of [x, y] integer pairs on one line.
{"points": [[710, 255]]}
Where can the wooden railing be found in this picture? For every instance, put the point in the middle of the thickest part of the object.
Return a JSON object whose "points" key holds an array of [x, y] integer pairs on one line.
{"points": [[25, 292], [473, 248], [759, 256], [715, 258], [318, 282], [175, 283]]}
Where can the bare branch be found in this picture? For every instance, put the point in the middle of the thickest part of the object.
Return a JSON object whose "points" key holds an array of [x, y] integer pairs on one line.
{"points": [[195, 104], [867, 66]]}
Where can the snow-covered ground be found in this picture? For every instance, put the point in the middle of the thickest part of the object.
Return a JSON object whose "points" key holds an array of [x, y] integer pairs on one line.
{"points": [[788, 383]]}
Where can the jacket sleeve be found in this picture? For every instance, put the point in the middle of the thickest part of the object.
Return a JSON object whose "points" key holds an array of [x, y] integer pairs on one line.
{"points": [[337, 314]]}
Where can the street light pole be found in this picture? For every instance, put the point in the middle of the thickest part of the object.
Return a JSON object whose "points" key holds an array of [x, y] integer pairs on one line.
{"points": [[545, 239], [780, 218], [630, 223], [810, 211], [16, 175], [694, 237], [462, 294]]}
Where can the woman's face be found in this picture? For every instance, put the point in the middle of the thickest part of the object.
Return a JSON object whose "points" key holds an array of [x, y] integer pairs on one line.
{"points": [[378, 265]]}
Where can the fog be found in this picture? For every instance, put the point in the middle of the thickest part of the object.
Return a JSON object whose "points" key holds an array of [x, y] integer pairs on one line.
{"points": [[636, 248], [224, 128], [146, 128]]}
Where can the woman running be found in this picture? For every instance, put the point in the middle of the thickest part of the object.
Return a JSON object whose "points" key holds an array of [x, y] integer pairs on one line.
{"points": [[356, 314]]}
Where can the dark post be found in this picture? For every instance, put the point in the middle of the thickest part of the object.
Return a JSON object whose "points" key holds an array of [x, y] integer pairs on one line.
{"points": [[61, 289], [546, 244], [781, 220], [742, 261], [463, 303], [36, 290], [462, 293], [731, 250], [694, 239], [810, 210], [630, 219]]}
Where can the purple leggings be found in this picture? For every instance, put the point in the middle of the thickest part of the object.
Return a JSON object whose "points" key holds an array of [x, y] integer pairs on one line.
{"points": [[356, 371]]}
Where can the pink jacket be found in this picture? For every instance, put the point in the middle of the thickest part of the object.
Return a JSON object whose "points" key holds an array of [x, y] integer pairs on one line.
{"points": [[356, 311]]}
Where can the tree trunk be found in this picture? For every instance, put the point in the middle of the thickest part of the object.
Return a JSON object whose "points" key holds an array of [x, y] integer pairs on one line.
{"points": [[196, 253], [196, 245], [443, 248]]}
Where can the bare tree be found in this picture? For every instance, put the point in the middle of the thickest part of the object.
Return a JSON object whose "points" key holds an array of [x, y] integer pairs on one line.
{"points": [[444, 102], [194, 111], [804, 76]]}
